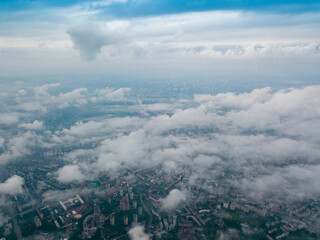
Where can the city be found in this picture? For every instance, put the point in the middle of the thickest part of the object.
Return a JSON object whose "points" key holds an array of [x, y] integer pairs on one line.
{"points": [[108, 208]]}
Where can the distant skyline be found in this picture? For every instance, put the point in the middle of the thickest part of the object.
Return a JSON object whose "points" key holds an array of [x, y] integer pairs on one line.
{"points": [[228, 40]]}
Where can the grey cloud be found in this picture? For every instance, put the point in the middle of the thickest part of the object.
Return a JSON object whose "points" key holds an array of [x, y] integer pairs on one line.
{"points": [[90, 38]]}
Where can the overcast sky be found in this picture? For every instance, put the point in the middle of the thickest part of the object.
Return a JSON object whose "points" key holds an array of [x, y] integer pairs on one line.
{"points": [[243, 40]]}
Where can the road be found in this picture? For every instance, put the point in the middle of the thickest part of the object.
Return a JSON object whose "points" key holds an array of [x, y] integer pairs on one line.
{"points": [[15, 222], [146, 209]]}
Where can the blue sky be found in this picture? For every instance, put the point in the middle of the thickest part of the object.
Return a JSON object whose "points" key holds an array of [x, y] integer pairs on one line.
{"points": [[174, 39], [146, 7]]}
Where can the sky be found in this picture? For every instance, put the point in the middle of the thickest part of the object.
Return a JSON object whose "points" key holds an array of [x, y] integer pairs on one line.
{"points": [[264, 41]]}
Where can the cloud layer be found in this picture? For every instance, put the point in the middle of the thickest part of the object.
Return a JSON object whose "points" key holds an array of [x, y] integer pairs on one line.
{"points": [[261, 143]]}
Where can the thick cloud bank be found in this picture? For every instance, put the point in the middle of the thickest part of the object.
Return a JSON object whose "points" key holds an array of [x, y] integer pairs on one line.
{"points": [[12, 186]]}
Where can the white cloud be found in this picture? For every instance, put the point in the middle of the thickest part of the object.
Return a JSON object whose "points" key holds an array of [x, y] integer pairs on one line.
{"points": [[19, 146], [173, 200], [70, 173], [137, 233], [250, 134], [12, 186], [75, 97], [32, 106], [43, 90], [36, 125], [109, 94]]}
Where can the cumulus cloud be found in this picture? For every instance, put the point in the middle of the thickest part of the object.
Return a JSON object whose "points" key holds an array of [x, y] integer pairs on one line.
{"points": [[173, 200], [35, 125], [90, 38], [12, 186], [70, 173], [137, 233], [75, 97]]}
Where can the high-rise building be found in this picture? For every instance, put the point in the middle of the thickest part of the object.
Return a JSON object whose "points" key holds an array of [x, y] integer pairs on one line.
{"points": [[140, 211], [135, 218], [124, 203], [131, 195], [125, 220], [112, 220], [134, 204]]}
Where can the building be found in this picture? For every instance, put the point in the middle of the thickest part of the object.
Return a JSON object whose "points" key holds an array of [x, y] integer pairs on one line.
{"points": [[135, 218], [140, 211], [124, 203], [125, 220], [134, 204], [112, 220]]}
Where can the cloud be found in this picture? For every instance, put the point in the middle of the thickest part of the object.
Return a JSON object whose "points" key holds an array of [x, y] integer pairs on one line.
{"points": [[109, 94], [75, 97], [1, 142], [55, 195], [90, 38], [9, 118], [229, 234], [173, 200], [3, 219], [137, 233], [21, 145], [43, 90], [250, 134], [12, 186], [262, 138], [36, 125], [70, 173], [32, 106]]}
